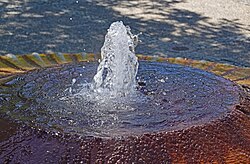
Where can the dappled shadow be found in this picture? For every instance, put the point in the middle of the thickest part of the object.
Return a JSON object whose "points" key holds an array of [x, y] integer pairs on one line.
{"points": [[40, 26], [77, 26]]}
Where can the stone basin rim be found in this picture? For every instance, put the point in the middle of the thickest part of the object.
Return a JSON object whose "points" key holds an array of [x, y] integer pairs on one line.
{"points": [[88, 57], [231, 148], [241, 97], [10, 64]]}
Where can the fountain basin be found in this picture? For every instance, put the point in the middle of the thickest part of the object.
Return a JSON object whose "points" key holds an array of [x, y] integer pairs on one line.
{"points": [[206, 119], [168, 97]]}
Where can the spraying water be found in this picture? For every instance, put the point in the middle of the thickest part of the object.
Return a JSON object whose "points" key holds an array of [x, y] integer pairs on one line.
{"points": [[118, 67]]}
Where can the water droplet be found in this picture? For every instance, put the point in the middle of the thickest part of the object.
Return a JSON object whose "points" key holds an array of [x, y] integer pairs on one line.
{"points": [[161, 80], [73, 81], [11, 56]]}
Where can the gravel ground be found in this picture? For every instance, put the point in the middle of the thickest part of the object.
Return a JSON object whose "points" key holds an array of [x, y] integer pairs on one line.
{"points": [[215, 30]]}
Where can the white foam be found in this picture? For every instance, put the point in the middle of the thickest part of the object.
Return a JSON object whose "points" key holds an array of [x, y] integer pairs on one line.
{"points": [[118, 67]]}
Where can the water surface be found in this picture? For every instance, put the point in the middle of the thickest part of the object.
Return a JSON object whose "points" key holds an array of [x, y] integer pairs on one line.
{"points": [[167, 97]]}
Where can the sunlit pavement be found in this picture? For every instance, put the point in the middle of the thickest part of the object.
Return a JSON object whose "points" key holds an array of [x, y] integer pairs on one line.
{"points": [[205, 30]]}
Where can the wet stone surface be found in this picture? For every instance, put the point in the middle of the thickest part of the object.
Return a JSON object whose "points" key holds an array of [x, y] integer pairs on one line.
{"points": [[168, 97], [201, 122], [7, 129], [222, 141]]}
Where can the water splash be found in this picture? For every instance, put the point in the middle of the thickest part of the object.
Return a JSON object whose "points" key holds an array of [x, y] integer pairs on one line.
{"points": [[118, 67]]}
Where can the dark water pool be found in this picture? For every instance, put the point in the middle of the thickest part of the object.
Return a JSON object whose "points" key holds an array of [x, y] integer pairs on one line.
{"points": [[168, 97]]}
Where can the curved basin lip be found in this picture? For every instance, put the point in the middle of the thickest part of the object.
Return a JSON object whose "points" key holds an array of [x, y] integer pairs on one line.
{"points": [[204, 140], [189, 125], [242, 107], [236, 152], [240, 75]]}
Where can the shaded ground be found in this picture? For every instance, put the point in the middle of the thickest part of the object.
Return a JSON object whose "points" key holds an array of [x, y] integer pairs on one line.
{"points": [[214, 30]]}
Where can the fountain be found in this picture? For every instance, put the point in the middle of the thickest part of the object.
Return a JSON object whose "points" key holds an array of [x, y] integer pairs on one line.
{"points": [[118, 67], [155, 112]]}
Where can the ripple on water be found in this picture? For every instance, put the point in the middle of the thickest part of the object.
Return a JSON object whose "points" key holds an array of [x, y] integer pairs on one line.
{"points": [[168, 97]]}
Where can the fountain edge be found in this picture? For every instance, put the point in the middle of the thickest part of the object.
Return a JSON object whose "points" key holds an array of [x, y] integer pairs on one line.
{"points": [[11, 65]]}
